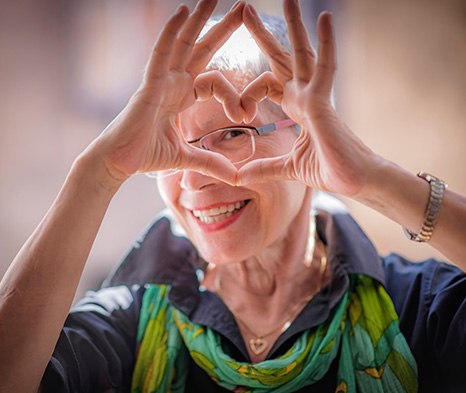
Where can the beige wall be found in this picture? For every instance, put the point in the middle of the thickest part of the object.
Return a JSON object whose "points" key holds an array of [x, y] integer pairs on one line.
{"points": [[67, 68], [402, 88]]}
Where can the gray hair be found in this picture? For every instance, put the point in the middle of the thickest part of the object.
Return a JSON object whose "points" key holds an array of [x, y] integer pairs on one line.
{"points": [[241, 53]]}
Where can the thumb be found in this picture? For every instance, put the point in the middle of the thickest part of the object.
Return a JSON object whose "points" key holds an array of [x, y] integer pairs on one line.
{"points": [[211, 164], [257, 171]]}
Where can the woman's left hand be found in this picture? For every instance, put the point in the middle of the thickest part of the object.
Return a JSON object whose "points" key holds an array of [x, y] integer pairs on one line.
{"points": [[327, 155]]}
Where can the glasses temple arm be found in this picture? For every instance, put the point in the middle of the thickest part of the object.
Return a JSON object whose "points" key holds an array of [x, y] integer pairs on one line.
{"points": [[277, 125]]}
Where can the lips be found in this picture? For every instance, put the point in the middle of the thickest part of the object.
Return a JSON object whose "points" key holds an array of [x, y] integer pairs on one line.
{"points": [[219, 213]]}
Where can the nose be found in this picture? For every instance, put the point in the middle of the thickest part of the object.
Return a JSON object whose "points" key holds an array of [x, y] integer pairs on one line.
{"points": [[195, 181]]}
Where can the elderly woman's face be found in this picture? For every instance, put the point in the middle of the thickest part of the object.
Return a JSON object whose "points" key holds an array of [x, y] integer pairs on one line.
{"points": [[227, 223]]}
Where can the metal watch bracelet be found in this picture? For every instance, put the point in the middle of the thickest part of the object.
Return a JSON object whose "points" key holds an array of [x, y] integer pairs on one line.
{"points": [[437, 188]]}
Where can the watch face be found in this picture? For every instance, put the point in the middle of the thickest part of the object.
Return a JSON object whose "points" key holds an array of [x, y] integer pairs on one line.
{"points": [[430, 178], [426, 176]]}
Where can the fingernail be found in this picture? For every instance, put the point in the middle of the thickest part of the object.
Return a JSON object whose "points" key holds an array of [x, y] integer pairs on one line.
{"points": [[236, 5], [252, 10]]}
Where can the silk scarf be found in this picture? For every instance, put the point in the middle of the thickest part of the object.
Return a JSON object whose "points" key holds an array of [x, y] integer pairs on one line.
{"points": [[363, 331]]}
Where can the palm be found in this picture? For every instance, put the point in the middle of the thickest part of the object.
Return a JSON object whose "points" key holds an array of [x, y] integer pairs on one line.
{"points": [[321, 157], [147, 136]]}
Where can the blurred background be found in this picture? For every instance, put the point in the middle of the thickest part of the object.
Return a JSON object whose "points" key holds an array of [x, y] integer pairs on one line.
{"points": [[68, 67]]}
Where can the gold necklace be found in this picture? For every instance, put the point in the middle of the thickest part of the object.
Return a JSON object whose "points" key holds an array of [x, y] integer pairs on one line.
{"points": [[258, 343]]}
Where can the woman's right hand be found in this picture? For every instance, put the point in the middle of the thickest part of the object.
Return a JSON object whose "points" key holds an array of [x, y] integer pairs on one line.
{"points": [[144, 137]]}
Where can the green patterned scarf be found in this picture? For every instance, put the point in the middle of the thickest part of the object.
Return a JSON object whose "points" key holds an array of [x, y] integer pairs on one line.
{"points": [[363, 330]]}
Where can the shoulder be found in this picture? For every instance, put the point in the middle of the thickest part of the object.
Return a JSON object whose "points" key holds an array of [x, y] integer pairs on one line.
{"points": [[109, 300], [429, 297], [96, 347], [430, 277], [113, 311], [159, 256], [423, 289]]}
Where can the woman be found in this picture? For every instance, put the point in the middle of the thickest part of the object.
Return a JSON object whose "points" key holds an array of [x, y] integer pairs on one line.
{"points": [[309, 295]]}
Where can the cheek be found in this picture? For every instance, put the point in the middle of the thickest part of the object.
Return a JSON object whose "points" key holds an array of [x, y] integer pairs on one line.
{"points": [[276, 144], [292, 199], [279, 205], [169, 189]]}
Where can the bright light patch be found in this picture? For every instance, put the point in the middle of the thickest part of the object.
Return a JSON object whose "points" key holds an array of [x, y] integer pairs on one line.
{"points": [[240, 52]]}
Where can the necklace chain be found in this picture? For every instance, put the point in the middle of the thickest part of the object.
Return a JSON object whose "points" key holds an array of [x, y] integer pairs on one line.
{"points": [[258, 344]]}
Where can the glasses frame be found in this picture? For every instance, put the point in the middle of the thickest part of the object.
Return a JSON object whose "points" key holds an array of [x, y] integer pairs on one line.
{"points": [[266, 129], [261, 130]]}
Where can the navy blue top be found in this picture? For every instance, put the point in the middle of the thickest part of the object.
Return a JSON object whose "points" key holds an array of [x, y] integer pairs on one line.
{"points": [[96, 348]]}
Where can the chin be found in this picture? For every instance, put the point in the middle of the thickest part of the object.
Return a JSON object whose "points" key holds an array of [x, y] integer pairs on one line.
{"points": [[225, 254]]}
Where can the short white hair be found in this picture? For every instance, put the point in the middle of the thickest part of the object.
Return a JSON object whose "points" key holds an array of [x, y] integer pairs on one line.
{"points": [[241, 52]]}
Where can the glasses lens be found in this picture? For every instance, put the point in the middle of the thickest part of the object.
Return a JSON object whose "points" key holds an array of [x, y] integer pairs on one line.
{"points": [[235, 143]]}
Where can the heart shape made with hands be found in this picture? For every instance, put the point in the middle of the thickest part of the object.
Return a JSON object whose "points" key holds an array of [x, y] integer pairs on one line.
{"points": [[242, 107], [300, 82], [238, 106]]}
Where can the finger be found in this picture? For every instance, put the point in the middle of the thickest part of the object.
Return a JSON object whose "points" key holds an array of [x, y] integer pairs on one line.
{"points": [[211, 164], [189, 33], [303, 53], [214, 39], [161, 54], [326, 63], [214, 84], [264, 86], [279, 59], [265, 169]]}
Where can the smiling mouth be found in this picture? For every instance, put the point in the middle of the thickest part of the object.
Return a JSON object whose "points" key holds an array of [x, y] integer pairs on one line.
{"points": [[217, 214]]}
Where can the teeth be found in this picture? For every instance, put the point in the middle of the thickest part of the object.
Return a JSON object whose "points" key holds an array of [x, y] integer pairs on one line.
{"points": [[217, 214], [211, 220]]}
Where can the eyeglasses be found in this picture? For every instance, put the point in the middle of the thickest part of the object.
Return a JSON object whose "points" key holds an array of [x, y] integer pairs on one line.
{"points": [[237, 143]]}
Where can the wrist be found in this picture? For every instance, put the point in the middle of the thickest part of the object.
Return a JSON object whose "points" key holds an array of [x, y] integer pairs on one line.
{"points": [[375, 180], [396, 193], [93, 170], [437, 189]]}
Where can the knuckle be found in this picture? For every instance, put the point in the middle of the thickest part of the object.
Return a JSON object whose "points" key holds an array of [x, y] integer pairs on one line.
{"points": [[267, 77], [305, 51], [205, 50], [328, 66], [214, 74], [185, 41], [161, 51]]}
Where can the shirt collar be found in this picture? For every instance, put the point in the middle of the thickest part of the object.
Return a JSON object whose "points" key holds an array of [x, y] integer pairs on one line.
{"points": [[164, 255]]}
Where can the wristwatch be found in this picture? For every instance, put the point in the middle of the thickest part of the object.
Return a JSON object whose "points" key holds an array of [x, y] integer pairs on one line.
{"points": [[437, 188]]}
